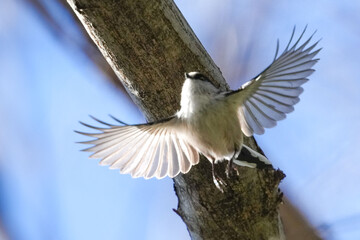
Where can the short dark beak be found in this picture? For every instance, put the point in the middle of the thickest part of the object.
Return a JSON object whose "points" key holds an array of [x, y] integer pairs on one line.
{"points": [[187, 75]]}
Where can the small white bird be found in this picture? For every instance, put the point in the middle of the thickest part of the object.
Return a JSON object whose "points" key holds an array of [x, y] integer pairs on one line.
{"points": [[210, 122]]}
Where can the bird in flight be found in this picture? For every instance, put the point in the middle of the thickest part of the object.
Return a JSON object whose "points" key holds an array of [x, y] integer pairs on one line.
{"points": [[210, 122]]}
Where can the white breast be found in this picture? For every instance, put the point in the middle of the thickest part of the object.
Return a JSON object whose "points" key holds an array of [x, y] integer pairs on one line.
{"points": [[194, 97], [212, 126]]}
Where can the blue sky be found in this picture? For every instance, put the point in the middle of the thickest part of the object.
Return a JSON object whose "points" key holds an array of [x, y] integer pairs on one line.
{"points": [[51, 190]]}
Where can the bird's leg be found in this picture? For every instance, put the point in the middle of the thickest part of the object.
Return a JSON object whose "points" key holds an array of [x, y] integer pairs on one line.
{"points": [[230, 167], [219, 183]]}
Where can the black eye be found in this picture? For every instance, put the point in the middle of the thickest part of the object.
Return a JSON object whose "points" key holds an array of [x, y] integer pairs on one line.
{"points": [[201, 77]]}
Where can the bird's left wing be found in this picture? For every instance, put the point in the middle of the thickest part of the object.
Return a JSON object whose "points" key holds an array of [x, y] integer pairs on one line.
{"points": [[268, 97], [145, 150]]}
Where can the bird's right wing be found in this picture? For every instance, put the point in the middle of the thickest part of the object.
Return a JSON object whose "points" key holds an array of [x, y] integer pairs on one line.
{"points": [[268, 97], [145, 150]]}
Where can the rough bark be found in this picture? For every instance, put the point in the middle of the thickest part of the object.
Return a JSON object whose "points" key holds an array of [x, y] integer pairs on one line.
{"points": [[149, 45]]}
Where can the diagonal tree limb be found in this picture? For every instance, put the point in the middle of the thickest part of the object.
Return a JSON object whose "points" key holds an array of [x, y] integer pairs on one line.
{"points": [[149, 45]]}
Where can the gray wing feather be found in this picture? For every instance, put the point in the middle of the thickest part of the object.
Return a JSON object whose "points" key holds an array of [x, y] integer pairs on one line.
{"points": [[267, 98]]}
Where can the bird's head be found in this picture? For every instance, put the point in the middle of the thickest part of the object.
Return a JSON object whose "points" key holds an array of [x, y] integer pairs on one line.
{"points": [[196, 76], [197, 92], [198, 84]]}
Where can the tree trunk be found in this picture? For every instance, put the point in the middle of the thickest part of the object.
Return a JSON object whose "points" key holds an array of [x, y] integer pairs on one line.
{"points": [[149, 45]]}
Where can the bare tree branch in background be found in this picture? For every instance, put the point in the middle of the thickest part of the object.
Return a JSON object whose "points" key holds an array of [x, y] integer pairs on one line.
{"points": [[85, 45], [244, 35], [3, 233], [295, 225]]}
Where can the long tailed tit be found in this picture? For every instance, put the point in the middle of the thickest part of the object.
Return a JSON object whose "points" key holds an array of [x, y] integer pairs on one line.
{"points": [[210, 122]]}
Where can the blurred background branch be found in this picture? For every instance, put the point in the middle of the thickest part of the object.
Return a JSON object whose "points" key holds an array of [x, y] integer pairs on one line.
{"points": [[78, 40]]}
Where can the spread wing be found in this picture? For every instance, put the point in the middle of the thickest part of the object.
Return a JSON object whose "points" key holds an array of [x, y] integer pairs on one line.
{"points": [[146, 150], [267, 98]]}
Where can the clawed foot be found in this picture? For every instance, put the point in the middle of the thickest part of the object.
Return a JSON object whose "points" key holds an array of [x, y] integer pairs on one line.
{"points": [[230, 172], [230, 168], [219, 183]]}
